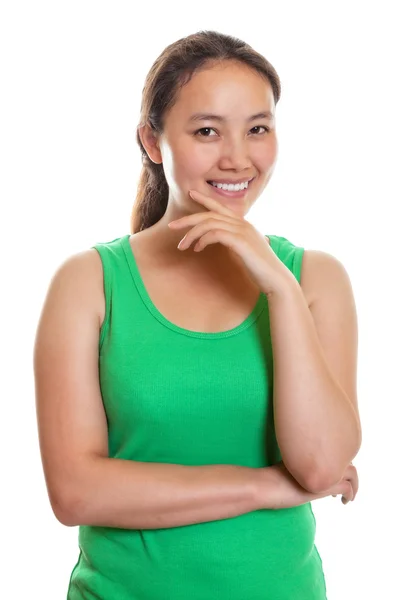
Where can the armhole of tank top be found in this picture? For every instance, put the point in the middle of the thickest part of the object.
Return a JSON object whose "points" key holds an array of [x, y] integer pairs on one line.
{"points": [[286, 248], [297, 262], [107, 288]]}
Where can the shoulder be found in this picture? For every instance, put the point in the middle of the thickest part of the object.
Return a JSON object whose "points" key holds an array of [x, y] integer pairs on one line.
{"points": [[319, 273], [80, 276], [81, 267], [322, 271]]}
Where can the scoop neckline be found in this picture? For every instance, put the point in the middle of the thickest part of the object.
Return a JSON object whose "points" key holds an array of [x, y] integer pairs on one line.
{"points": [[139, 283]]}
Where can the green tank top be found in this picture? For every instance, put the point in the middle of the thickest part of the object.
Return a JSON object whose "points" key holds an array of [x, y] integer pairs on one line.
{"points": [[172, 395]]}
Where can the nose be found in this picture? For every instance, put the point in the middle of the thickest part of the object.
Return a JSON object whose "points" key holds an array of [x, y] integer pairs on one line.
{"points": [[235, 155]]}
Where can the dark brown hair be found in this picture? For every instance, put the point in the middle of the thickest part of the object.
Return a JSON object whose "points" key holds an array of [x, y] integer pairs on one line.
{"points": [[172, 70]]}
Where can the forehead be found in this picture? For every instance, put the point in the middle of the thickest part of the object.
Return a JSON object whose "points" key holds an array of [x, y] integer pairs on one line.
{"points": [[230, 89]]}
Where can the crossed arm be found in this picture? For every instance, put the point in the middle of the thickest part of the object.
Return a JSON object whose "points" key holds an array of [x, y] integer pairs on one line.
{"points": [[315, 370]]}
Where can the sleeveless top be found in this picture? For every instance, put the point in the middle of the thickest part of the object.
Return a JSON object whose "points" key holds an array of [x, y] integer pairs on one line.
{"points": [[177, 396]]}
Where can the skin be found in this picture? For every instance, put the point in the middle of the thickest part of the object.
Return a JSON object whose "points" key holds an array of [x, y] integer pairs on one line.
{"points": [[233, 149]]}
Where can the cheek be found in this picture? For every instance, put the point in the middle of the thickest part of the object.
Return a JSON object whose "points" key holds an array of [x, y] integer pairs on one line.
{"points": [[192, 160], [189, 160], [265, 155]]}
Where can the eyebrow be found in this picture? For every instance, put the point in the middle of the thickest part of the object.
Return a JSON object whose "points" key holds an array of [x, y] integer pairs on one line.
{"points": [[207, 117]]}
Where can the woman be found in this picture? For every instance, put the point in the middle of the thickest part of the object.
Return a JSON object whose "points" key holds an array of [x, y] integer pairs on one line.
{"points": [[184, 448]]}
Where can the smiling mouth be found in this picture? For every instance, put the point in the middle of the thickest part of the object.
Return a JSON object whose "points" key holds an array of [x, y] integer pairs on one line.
{"points": [[232, 194], [230, 183]]}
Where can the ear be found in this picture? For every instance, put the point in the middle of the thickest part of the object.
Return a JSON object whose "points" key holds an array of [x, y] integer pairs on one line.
{"points": [[149, 139]]}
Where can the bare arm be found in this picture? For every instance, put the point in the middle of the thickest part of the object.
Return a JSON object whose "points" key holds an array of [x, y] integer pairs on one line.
{"points": [[139, 495], [317, 427], [85, 486]]}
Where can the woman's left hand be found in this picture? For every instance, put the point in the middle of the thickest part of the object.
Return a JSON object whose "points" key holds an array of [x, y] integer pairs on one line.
{"points": [[222, 225]]}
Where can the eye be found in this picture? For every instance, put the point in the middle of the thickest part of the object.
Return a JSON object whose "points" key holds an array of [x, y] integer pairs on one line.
{"points": [[211, 129], [261, 127], [204, 129]]}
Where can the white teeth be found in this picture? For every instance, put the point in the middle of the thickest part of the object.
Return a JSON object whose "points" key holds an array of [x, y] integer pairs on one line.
{"points": [[230, 187]]}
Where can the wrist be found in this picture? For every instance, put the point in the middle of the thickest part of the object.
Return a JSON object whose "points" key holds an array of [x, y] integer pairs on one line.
{"points": [[268, 487], [286, 286]]}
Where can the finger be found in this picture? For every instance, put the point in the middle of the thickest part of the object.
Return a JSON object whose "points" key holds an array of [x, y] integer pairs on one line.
{"points": [[190, 220], [353, 479], [348, 495], [216, 236], [197, 232], [352, 487], [211, 204], [357, 484]]}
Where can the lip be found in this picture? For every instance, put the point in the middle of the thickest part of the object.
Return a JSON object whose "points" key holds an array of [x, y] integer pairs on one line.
{"points": [[227, 194], [233, 181]]}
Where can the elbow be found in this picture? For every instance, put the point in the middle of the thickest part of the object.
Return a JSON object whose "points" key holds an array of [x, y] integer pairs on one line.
{"points": [[313, 484], [66, 510], [317, 484], [311, 479], [322, 482], [317, 479]]}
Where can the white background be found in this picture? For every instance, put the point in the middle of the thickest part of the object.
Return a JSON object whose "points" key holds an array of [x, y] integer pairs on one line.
{"points": [[72, 75]]}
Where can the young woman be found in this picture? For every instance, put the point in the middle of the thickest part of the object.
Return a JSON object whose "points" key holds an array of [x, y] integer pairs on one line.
{"points": [[196, 380]]}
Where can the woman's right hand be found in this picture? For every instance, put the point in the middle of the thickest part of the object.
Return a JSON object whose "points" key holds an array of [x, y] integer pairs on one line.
{"points": [[279, 489], [350, 479]]}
